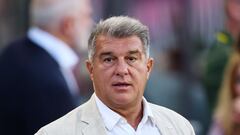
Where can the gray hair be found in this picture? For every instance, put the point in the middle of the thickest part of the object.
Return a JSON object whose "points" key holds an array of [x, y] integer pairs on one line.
{"points": [[50, 12], [119, 27]]}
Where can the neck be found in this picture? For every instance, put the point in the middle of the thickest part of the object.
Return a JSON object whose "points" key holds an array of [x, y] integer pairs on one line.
{"points": [[133, 115], [58, 34]]}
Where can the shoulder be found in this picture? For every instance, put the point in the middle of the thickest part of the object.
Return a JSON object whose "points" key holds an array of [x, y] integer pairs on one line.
{"points": [[224, 38], [64, 125], [16, 51], [222, 44], [24, 54], [12, 58], [172, 119], [16, 45], [163, 110]]}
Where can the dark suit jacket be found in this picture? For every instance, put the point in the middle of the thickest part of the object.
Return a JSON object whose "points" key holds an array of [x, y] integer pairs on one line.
{"points": [[33, 91]]}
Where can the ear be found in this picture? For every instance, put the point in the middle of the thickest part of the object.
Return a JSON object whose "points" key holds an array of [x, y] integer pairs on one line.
{"points": [[150, 63], [89, 66]]}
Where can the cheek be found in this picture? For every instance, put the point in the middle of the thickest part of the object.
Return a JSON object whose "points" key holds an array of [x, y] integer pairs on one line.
{"points": [[87, 23], [102, 74], [237, 89], [140, 74]]}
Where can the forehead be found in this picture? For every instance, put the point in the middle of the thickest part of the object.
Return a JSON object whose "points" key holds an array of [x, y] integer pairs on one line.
{"points": [[118, 45]]}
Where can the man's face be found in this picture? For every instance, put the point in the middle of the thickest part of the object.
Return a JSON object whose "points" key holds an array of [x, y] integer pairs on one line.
{"points": [[82, 25], [119, 70]]}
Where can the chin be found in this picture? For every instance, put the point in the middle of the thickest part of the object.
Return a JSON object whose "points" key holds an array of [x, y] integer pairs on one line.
{"points": [[122, 100]]}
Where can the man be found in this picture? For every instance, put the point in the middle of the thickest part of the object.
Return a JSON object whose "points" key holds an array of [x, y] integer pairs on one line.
{"points": [[218, 54], [119, 66], [37, 84]]}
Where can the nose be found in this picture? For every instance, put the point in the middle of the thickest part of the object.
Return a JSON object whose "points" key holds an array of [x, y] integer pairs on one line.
{"points": [[121, 68]]}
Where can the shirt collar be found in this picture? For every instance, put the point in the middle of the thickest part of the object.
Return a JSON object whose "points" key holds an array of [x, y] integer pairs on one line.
{"points": [[147, 112], [58, 49], [111, 118]]}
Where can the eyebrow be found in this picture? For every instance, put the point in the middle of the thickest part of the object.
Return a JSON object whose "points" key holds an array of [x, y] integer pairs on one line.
{"points": [[105, 54], [111, 53], [134, 52]]}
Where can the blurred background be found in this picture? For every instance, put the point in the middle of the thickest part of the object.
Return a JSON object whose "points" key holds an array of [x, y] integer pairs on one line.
{"points": [[181, 31]]}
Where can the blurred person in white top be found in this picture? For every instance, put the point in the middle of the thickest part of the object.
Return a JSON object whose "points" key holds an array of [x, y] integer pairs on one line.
{"points": [[62, 28], [37, 84]]}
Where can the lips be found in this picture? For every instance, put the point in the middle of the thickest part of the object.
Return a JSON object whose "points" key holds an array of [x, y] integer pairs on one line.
{"points": [[121, 84]]}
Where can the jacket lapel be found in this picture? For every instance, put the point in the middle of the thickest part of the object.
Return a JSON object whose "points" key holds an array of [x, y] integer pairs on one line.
{"points": [[91, 116], [163, 125], [164, 128]]}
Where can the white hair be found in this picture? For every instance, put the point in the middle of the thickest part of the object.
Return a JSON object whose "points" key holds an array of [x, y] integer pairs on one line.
{"points": [[50, 12]]}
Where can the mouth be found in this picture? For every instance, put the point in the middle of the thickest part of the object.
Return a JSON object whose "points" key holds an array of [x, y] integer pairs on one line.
{"points": [[121, 85]]}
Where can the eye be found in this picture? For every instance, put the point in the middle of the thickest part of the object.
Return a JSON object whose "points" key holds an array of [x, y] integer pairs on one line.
{"points": [[108, 60], [131, 59]]}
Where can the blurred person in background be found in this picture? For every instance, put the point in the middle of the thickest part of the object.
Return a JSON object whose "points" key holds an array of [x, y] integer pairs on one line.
{"points": [[226, 119], [37, 73], [220, 50]]}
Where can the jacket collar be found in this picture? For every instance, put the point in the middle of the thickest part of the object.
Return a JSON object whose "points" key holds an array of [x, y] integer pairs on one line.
{"points": [[162, 122], [90, 115]]}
